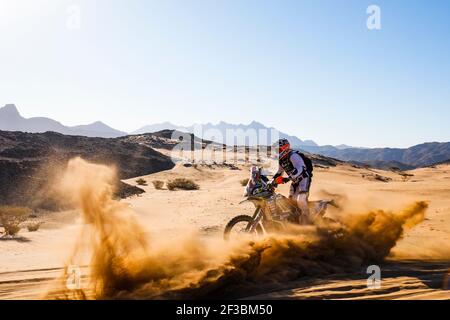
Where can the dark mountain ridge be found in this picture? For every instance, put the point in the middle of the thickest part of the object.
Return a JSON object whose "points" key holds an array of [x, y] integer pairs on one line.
{"points": [[420, 155]]}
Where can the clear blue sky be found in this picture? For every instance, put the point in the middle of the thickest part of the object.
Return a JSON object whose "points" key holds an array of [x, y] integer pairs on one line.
{"points": [[309, 68]]}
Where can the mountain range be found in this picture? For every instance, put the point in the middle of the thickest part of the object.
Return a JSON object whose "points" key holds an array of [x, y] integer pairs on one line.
{"points": [[11, 120], [420, 155], [218, 133], [416, 156]]}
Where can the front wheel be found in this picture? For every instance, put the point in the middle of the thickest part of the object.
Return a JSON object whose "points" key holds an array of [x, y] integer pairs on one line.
{"points": [[240, 225]]}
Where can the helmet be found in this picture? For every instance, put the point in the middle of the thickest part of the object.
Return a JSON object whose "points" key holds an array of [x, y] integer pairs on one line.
{"points": [[255, 173], [283, 148]]}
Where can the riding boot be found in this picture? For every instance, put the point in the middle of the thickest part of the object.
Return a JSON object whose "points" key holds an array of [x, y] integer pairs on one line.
{"points": [[302, 204]]}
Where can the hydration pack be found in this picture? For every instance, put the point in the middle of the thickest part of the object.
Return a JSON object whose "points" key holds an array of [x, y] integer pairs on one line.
{"points": [[308, 163], [288, 167]]}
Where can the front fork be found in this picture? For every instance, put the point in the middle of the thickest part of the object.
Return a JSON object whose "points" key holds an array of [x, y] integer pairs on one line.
{"points": [[257, 217]]}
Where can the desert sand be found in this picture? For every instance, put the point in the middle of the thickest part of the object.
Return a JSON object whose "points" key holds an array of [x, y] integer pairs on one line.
{"points": [[415, 269]]}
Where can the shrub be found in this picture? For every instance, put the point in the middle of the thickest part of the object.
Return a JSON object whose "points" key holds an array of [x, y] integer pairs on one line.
{"points": [[244, 182], [158, 184], [33, 226], [11, 218], [182, 183], [382, 178], [141, 182], [405, 176]]}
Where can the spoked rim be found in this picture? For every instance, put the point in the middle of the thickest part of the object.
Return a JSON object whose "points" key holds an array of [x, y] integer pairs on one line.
{"points": [[240, 229]]}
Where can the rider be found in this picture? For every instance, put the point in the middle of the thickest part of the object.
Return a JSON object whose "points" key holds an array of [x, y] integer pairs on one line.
{"points": [[256, 183], [299, 170]]}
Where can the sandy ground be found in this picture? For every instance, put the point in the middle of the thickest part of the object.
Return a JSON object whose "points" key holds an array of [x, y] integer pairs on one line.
{"points": [[416, 268]]}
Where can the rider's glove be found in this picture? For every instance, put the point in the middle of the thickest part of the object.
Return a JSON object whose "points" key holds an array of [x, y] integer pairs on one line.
{"points": [[279, 180]]}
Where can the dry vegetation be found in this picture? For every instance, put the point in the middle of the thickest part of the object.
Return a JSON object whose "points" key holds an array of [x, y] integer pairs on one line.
{"points": [[141, 182], [376, 177], [34, 226], [182, 183], [405, 175], [11, 219], [158, 184]]}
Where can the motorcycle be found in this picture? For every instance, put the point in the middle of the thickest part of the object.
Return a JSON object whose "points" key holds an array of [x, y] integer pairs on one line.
{"points": [[273, 213]]}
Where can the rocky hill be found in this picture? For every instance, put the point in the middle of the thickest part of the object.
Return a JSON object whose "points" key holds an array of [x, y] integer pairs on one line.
{"points": [[168, 139], [28, 161]]}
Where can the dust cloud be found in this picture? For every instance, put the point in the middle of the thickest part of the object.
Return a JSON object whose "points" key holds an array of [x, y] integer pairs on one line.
{"points": [[126, 264]]}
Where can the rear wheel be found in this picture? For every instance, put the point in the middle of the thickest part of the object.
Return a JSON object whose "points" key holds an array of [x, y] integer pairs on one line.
{"points": [[240, 225]]}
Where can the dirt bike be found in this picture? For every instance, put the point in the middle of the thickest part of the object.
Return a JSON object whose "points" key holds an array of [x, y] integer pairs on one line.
{"points": [[273, 213]]}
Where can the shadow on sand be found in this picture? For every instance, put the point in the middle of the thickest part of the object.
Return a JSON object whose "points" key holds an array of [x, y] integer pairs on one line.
{"points": [[17, 239]]}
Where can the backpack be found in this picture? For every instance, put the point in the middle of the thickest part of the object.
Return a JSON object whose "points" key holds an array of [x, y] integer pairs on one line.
{"points": [[308, 163]]}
